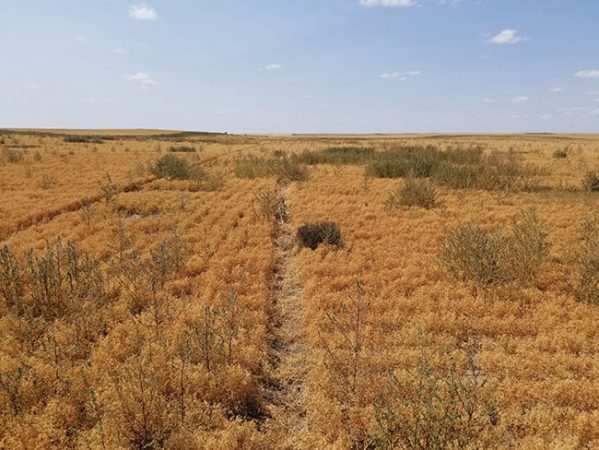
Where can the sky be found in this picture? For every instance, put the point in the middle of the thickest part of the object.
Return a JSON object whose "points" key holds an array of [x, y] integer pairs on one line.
{"points": [[301, 66]]}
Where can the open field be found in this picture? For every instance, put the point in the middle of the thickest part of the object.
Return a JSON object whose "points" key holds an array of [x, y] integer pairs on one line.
{"points": [[154, 291]]}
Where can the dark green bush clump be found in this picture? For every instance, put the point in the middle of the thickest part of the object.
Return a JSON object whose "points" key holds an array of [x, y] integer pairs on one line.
{"points": [[182, 149], [174, 167], [591, 181], [83, 139], [413, 193], [494, 257], [560, 153], [312, 235]]}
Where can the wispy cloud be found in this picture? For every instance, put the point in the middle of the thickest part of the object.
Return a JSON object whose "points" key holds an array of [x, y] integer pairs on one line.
{"points": [[520, 99], [143, 79], [507, 36], [401, 75], [142, 12], [388, 3], [271, 67], [488, 100], [120, 51], [32, 86], [594, 73], [594, 112], [555, 90], [81, 38]]}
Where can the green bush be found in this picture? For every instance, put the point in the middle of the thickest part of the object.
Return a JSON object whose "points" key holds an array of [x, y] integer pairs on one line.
{"points": [[174, 167], [284, 167], [413, 193], [495, 257], [313, 235]]}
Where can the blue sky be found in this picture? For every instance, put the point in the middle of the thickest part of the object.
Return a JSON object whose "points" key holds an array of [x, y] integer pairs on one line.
{"points": [[301, 66]]}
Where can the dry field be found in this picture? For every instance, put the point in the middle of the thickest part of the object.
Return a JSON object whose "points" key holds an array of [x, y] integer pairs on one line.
{"points": [[157, 290]]}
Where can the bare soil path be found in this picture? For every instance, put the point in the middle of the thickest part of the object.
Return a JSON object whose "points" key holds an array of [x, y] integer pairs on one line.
{"points": [[285, 390]]}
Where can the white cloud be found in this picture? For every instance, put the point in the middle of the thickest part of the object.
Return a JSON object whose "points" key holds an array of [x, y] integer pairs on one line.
{"points": [[488, 100], [142, 12], [120, 51], [556, 89], [507, 36], [32, 86], [545, 117], [594, 112], [587, 73], [402, 75], [593, 92], [271, 67], [143, 79], [521, 99], [81, 38], [387, 3]]}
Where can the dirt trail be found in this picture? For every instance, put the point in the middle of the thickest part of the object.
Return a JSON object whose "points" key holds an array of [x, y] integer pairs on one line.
{"points": [[285, 390]]}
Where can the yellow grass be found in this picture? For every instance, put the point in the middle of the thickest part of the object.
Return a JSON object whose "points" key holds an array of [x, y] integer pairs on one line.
{"points": [[192, 366]]}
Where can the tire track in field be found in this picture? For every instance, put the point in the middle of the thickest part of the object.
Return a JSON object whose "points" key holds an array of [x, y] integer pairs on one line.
{"points": [[47, 216], [284, 390]]}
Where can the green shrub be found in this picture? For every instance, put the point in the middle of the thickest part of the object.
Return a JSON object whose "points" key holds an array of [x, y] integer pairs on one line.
{"points": [[436, 408], [313, 235], [494, 257], [174, 167], [413, 193], [284, 167], [591, 181]]}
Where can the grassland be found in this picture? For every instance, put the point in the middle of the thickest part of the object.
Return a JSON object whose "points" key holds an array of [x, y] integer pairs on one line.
{"points": [[457, 307]]}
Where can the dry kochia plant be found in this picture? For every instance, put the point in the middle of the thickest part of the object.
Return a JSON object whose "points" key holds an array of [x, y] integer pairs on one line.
{"points": [[344, 354], [272, 205], [437, 407]]}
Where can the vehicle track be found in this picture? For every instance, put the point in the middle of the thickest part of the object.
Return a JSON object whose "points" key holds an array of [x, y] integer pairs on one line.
{"points": [[285, 389]]}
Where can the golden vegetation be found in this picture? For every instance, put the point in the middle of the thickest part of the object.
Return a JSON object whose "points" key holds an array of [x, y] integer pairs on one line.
{"points": [[141, 300]]}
